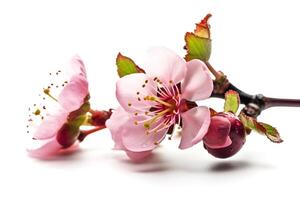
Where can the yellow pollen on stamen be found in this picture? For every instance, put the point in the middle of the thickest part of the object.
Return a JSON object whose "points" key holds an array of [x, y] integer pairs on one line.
{"points": [[148, 124], [37, 112], [129, 104], [47, 92], [136, 123], [152, 98]]}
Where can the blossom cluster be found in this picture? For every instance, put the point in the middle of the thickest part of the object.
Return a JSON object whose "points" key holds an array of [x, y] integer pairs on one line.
{"points": [[156, 101]]}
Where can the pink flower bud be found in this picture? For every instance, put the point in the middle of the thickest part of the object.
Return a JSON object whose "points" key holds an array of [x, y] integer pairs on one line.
{"points": [[226, 135], [67, 135], [99, 117]]}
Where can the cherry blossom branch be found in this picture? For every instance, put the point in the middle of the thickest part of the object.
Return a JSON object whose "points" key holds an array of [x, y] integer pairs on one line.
{"points": [[273, 102], [254, 104]]}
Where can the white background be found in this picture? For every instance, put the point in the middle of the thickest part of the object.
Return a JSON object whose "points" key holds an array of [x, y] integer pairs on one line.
{"points": [[256, 43]]}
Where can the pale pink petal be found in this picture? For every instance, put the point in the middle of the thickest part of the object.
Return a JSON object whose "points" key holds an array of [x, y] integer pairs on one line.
{"points": [[115, 125], [77, 67], [218, 133], [132, 89], [130, 137], [74, 93], [138, 156], [197, 83], [165, 65], [51, 125], [45, 149], [195, 125], [135, 138]]}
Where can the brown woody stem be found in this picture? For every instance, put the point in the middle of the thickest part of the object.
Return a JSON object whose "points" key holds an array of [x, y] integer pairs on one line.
{"points": [[254, 104], [273, 102], [217, 74]]}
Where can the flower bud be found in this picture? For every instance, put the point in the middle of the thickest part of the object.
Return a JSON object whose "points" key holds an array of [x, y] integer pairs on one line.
{"points": [[67, 135], [99, 118], [226, 135]]}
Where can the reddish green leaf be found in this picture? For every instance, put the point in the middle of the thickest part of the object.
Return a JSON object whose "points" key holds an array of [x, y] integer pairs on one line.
{"points": [[232, 101], [198, 43], [127, 66], [197, 47], [260, 127], [272, 133]]}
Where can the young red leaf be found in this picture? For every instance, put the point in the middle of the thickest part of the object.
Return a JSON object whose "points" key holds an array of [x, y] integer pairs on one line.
{"points": [[203, 28], [212, 112]]}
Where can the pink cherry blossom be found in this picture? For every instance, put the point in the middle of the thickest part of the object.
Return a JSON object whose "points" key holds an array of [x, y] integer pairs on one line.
{"points": [[153, 102], [58, 129]]}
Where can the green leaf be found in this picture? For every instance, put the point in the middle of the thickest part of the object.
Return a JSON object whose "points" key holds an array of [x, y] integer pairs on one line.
{"points": [[260, 127], [197, 47], [232, 101], [126, 66]]}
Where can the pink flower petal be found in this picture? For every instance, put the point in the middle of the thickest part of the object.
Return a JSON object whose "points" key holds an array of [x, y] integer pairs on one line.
{"points": [[77, 67], [51, 125], [195, 125], [138, 156], [165, 65], [136, 139], [129, 137], [74, 93], [132, 89], [115, 125], [197, 83], [218, 133], [46, 148]]}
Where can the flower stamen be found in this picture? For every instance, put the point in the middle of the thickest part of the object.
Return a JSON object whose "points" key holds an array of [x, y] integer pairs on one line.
{"points": [[158, 100], [47, 92]]}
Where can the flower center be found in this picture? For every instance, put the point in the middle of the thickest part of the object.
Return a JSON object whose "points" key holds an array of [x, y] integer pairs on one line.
{"points": [[164, 106]]}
